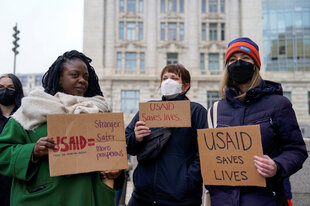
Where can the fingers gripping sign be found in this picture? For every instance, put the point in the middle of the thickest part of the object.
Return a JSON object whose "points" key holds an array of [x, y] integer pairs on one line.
{"points": [[141, 131], [265, 166], [111, 174], [41, 147]]}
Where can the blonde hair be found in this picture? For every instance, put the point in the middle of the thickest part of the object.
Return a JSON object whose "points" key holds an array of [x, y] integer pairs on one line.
{"points": [[227, 83]]}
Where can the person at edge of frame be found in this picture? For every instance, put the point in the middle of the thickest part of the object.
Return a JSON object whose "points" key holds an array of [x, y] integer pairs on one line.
{"points": [[11, 94], [247, 99]]}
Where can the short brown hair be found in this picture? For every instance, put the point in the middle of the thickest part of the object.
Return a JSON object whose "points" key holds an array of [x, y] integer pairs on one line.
{"points": [[179, 70]]}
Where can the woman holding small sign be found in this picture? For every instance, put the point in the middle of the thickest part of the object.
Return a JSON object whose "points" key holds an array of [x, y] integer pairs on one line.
{"points": [[170, 175], [250, 100], [70, 86]]}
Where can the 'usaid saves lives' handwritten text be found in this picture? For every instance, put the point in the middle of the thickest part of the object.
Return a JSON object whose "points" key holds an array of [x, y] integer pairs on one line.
{"points": [[165, 113], [161, 106], [226, 155]]}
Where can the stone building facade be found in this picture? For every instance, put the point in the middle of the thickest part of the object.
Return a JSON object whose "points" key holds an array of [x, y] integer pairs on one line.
{"points": [[130, 41]]}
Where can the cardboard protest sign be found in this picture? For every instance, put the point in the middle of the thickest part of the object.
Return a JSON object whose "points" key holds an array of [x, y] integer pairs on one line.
{"points": [[86, 143], [165, 113], [227, 155]]}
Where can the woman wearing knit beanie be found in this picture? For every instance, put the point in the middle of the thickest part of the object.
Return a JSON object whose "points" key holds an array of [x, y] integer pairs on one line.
{"points": [[250, 100]]}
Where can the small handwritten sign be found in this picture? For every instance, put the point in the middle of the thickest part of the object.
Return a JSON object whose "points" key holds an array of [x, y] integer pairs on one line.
{"points": [[86, 143], [165, 113], [227, 155]]}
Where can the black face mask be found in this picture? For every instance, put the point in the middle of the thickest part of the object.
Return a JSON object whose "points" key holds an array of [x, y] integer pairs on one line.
{"points": [[241, 71], [7, 97]]}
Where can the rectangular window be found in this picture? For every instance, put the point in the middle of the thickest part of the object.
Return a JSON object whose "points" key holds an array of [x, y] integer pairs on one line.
{"points": [[172, 58], [38, 80], [222, 31], [203, 32], [172, 5], [131, 31], [142, 60], [213, 32], [121, 5], [181, 5], [130, 62], [203, 6], [287, 95], [282, 47], [119, 61], [23, 80], [202, 61], [130, 101], [121, 30], [162, 31], [213, 62], [213, 6], [140, 5], [140, 30], [222, 6], [172, 31], [131, 5], [162, 5], [212, 96], [181, 31]]}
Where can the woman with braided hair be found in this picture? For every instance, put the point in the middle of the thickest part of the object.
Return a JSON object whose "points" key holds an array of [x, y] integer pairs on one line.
{"points": [[70, 86]]}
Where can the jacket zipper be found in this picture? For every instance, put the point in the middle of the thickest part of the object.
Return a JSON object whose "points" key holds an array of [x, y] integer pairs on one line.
{"points": [[154, 184], [242, 123]]}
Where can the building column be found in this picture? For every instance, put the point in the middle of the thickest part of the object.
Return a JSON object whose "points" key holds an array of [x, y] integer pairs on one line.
{"points": [[151, 31], [93, 40], [192, 25], [110, 22]]}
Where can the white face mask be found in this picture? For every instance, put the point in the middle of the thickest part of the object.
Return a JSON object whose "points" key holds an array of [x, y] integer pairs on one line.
{"points": [[170, 88]]}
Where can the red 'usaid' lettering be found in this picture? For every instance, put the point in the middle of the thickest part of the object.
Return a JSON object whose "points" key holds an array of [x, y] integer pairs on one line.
{"points": [[65, 144], [161, 106]]}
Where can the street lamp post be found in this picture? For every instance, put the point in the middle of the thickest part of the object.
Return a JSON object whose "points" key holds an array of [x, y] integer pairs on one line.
{"points": [[16, 45]]}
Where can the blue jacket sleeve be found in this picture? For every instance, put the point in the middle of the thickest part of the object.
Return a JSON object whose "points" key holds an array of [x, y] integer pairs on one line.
{"points": [[199, 118], [293, 147]]}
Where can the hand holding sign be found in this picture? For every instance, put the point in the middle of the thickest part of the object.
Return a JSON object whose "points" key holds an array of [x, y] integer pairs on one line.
{"points": [[265, 166], [111, 174], [141, 131], [42, 145]]}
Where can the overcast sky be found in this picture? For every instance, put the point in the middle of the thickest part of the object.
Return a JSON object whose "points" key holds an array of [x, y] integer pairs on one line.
{"points": [[48, 28]]}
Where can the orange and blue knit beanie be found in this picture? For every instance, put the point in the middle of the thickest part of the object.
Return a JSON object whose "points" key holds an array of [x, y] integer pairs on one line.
{"points": [[245, 45]]}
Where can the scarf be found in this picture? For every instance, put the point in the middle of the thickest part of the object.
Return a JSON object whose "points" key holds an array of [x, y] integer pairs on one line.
{"points": [[38, 104]]}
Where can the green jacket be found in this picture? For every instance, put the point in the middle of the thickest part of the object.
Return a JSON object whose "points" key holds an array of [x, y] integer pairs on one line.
{"points": [[32, 184]]}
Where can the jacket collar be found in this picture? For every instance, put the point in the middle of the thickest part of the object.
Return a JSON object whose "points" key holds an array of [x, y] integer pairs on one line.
{"points": [[180, 97], [253, 95]]}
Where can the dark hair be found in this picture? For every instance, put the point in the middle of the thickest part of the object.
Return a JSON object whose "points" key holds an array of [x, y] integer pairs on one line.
{"points": [[19, 93], [50, 80], [179, 70]]}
